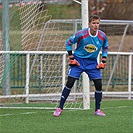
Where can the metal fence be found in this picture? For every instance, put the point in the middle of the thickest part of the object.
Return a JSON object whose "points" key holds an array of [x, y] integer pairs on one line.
{"points": [[121, 76], [37, 84]]}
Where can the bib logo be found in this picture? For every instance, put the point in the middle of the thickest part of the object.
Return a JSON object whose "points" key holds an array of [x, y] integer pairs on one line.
{"points": [[90, 48]]}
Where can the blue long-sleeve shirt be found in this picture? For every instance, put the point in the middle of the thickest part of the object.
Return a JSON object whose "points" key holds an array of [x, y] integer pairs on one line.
{"points": [[88, 46]]}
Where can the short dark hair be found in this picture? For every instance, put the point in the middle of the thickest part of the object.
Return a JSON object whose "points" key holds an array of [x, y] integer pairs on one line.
{"points": [[91, 17]]}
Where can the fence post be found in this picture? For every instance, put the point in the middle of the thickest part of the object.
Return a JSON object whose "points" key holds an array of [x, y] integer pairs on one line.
{"points": [[129, 76], [63, 70], [27, 77]]}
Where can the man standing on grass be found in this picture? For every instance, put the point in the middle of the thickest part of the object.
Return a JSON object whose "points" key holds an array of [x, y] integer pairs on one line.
{"points": [[89, 42]]}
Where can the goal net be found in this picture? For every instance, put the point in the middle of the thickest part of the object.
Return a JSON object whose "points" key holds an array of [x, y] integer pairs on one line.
{"points": [[38, 59]]}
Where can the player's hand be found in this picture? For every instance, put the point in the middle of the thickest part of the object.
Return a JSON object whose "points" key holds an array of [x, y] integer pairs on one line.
{"points": [[102, 65], [73, 62]]}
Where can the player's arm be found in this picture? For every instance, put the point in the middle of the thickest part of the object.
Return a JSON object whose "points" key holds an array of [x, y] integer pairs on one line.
{"points": [[72, 40], [102, 64], [105, 48]]}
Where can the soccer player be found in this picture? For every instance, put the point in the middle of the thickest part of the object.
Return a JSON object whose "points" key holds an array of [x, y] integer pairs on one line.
{"points": [[89, 42]]}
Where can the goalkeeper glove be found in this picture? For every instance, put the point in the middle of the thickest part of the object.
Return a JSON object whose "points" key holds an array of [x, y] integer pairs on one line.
{"points": [[73, 62], [102, 65]]}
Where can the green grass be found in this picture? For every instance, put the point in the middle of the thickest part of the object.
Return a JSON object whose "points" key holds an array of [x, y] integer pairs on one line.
{"points": [[118, 120]]}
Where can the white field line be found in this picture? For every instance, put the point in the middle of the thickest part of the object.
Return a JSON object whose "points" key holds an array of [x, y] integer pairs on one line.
{"points": [[119, 107], [48, 108], [24, 108], [26, 113], [106, 108]]}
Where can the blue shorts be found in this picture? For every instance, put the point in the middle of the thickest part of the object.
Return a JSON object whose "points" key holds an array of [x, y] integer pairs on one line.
{"points": [[86, 65]]}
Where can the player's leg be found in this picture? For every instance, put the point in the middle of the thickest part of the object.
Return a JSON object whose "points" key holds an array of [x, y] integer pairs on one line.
{"points": [[95, 75], [98, 93], [98, 97], [65, 94], [66, 91], [73, 74]]}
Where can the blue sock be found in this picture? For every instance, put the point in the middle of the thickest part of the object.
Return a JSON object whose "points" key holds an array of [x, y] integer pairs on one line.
{"points": [[98, 99], [65, 94]]}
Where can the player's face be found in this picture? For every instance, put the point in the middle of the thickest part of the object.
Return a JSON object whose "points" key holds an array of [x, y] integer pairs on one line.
{"points": [[94, 26]]}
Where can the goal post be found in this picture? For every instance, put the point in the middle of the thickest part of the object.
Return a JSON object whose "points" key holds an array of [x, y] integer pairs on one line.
{"points": [[86, 84], [5, 79]]}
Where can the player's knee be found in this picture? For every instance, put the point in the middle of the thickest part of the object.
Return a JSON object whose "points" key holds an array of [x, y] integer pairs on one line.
{"points": [[70, 82], [98, 84]]}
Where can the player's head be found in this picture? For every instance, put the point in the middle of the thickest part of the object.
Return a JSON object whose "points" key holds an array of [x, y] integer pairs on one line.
{"points": [[94, 22], [93, 17]]}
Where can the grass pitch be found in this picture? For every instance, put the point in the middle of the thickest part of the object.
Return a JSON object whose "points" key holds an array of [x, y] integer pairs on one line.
{"points": [[118, 119]]}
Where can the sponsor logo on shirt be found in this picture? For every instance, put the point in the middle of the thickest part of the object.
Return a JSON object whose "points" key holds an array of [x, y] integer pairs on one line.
{"points": [[90, 48]]}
